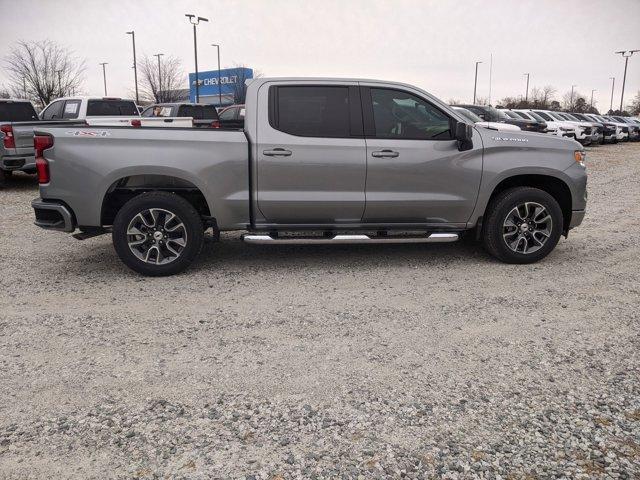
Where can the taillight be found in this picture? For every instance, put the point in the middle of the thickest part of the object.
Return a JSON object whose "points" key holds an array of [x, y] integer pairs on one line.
{"points": [[9, 139], [136, 123], [215, 124], [40, 144]]}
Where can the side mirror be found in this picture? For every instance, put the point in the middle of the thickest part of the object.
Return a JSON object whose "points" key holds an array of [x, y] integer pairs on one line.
{"points": [[464, 134]]}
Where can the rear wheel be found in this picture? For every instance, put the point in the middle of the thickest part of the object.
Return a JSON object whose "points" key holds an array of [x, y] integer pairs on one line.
{"points": [[4, 176], [523, 225], [157, 234]]}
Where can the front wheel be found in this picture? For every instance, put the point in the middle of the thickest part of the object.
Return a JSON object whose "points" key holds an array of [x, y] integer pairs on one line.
{"points": [[522, 225], [157, 234]]}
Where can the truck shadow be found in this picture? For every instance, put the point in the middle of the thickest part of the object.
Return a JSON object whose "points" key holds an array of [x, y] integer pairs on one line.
{"points": [[19, 182]]}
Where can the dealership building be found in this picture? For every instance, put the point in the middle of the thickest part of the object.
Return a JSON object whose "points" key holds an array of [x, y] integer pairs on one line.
{"points": [[220, 92]]}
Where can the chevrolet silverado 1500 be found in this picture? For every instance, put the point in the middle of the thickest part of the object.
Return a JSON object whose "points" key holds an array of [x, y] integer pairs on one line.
{"points": [[318, 161]]}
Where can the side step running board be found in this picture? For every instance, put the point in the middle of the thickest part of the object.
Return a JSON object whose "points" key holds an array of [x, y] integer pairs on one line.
{"points": [[433, 238]]}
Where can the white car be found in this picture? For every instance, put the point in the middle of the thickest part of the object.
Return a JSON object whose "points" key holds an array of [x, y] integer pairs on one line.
{"points": [[504, 127], [622, 129], [82, 108], [583, 132], [554, 127]]}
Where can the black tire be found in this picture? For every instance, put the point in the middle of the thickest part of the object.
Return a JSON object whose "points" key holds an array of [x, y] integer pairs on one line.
{"points": [[189, 225], [494, 226]]}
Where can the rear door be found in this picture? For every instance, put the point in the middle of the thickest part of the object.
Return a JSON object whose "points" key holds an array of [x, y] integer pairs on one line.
{"points": [[311, 155], [415, 173]]}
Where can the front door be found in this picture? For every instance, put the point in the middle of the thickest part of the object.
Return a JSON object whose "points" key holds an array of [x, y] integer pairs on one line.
{"points": [[415, 172], [311, 155]]}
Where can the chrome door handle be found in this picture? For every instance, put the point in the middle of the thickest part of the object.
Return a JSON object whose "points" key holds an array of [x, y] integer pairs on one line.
{"points": [[385, 154], [277, 152]]}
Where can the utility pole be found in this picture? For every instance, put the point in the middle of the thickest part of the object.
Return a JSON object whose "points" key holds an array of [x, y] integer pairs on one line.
{"points": [[158, 55], [104, 75], [594, 90], [571, 102], [490, 75], [613, 83], [59, 83], [135, 64], [475, 84], [526, 93], [219, 85], [625, 54], [194, 20]]}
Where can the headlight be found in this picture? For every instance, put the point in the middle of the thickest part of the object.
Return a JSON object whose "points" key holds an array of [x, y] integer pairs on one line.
{"points": [[579, 156], [565, 129]]}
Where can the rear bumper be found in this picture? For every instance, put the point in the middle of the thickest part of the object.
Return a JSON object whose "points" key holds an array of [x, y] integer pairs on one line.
{"points": [[18, 162], [53, 215]]}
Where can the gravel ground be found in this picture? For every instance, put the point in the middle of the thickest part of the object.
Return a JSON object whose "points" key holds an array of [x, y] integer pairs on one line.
{"points": [[272, 362]]}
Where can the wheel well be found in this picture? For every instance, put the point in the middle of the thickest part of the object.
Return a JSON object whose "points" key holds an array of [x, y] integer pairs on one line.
{"points": [[126, 188], [552, 185]]}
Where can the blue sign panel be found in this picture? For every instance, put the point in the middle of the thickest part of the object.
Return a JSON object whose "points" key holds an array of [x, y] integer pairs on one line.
{"points": [[229, 77]]}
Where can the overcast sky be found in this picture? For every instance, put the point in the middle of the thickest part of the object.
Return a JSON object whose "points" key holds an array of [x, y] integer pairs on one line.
{"points": [[431, 44]]}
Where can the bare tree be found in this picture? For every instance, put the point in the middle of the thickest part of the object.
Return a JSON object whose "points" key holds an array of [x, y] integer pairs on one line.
{"points": [[240, 87], [634, 106], [482, 101], [454, 101], [42, 71], [4, 92], [165, 85]]}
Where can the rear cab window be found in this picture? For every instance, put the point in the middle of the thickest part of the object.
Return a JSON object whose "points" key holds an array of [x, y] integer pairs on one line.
{"points": [[17, 112], [71, 109], [311, 111], [111, 108]]}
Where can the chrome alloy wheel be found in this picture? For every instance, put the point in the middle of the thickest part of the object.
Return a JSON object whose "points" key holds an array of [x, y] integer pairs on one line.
{"points": [[156, 236], [527, 227]]}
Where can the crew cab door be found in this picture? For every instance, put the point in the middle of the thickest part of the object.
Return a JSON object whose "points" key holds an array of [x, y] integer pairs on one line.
{"points": [[415, 172], [311, 154]]}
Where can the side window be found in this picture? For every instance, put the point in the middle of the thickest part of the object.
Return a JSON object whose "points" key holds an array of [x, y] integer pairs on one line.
{"points": [[71, 109], [402, 115], [53, 111], [545, 116], [311, 111]]}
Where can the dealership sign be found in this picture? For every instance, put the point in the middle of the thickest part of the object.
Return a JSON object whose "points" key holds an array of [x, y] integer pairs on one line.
{"points": [[208, 81]]}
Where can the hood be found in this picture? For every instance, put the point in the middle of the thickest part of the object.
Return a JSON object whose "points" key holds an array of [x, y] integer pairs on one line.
{"points": [[513, 140], [499, 126]]}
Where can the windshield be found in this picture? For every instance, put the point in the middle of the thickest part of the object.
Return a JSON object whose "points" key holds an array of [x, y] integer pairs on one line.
{"points": [[571, 117], [545, 116], [17, 112], [468, 114], [557, 116], [536, 116], [510, 114]]}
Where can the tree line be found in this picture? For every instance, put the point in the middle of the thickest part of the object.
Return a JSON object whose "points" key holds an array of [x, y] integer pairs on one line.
{"points": [[42, 71]]}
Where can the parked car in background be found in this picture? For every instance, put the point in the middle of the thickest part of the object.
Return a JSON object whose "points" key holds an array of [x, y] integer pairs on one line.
{"points": [[203, 115], [621, 133], [490, 114], [554, 127], [81, 108], [583, 132], [18, 118], [539, 125], [320, 161], [623, 126], [481, 123], [595, 129], [232, 117], [550, 130], [634, 128], [607, 129]]}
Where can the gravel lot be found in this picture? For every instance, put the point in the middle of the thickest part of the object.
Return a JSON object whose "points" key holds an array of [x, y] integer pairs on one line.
{"points": [[323, 362]]}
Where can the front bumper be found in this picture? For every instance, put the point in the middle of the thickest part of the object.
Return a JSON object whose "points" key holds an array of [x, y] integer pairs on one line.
{"points": [[53, 215], [18, 162]]}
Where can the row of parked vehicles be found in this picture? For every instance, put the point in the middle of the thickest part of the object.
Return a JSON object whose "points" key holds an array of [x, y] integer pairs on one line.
{"points": [[586, 128], [18, 119]]}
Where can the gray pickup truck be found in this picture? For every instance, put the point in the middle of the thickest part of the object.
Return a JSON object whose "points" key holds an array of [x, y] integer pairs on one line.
{"points": [[319, 161], [17, 118]]}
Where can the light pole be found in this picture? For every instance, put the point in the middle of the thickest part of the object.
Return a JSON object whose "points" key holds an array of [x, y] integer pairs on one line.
{"points": [[59, 82], [219, 85], [571, 101], [194, 20], [526, 93], [158, 55], [475, 84], [104, 75], [613, 83], [135, 65], [594, 90], [626, 56]]}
